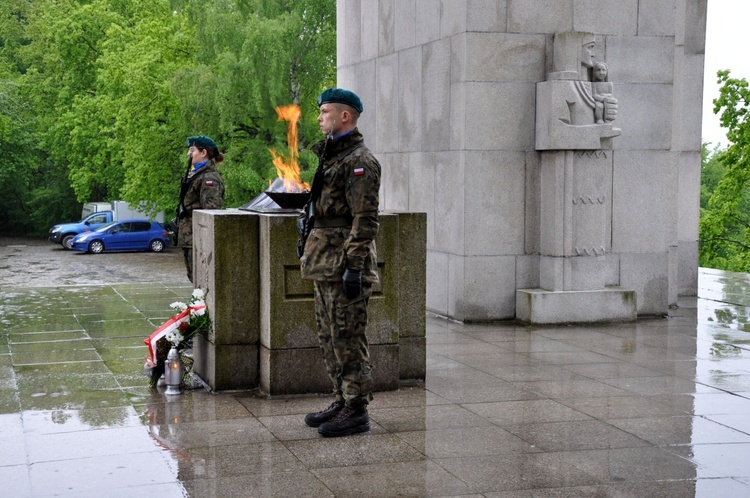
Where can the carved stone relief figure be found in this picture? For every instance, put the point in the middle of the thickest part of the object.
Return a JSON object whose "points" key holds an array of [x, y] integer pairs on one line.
{"points": [[576, 105], [605, 103]]}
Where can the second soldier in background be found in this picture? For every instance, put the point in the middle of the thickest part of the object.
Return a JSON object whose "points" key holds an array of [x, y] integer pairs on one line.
{"points": [[202, 188]]}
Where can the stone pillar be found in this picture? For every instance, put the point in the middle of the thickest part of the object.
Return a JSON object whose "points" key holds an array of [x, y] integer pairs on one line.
{"points": [[226, 268], [576, 200], [574, 134], [412, 291]]}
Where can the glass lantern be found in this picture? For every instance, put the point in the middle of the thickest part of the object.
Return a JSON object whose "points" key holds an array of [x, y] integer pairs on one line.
{"points": [[173, 372]]}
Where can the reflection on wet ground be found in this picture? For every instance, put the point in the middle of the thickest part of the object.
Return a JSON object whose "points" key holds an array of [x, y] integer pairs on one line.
{"points": [[653, 408]]}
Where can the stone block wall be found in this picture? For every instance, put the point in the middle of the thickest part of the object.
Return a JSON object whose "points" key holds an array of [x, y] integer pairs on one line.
{"points": [[448, 89], [264, 332]]}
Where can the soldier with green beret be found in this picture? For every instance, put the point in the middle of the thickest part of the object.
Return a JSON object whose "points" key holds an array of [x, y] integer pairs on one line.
{"points": [[202, 188], [340, 256]]}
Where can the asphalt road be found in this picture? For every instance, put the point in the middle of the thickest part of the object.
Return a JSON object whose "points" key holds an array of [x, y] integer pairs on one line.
{"points": [[36, 262]]}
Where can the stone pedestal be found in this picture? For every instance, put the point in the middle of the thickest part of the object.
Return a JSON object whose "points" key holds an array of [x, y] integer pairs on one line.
{"points": [[551, 307], [263, 312]]}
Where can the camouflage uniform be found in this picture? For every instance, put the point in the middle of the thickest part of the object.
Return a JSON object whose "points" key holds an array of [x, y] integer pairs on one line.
{"points": [[346, 225], [205, 191]]}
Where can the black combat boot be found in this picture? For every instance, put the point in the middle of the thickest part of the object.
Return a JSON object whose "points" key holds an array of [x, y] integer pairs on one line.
{"points": [[348, 421], [315, 419]]}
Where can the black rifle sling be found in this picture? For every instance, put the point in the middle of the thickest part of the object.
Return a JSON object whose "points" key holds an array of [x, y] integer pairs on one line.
{"points": [[317, 184]]}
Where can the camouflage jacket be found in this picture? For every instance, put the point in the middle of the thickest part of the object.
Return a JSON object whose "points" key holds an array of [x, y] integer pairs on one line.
{"points": [[351, 181], [206, 191]]}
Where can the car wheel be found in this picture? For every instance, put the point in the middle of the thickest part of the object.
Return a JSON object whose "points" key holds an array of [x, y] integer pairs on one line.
{"points": [[67, 241], [157, 245], [96, 246]]}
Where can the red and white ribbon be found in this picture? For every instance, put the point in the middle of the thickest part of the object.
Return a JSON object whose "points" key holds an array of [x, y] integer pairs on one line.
{"points": [[170, 325]]}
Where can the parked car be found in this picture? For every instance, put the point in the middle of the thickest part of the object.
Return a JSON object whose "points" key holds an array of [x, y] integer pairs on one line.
{"points": [[95, 215], [65, 232], [125, 235]]}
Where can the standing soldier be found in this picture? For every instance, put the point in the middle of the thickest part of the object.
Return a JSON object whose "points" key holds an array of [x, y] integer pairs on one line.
{"points": [[202, 188], [339, 255]]}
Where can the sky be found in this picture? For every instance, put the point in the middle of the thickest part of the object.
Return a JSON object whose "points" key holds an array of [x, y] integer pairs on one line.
{"points": [[727, 41]]}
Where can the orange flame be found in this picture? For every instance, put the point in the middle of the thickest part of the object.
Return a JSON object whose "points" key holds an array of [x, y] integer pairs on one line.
{"points": [[288, 170]]}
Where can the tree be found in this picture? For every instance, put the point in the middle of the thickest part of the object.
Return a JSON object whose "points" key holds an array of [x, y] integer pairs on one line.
{"points": [[217, 69], [35, 189], [252, 57], [711, 172], [138, 109], [725, 220], [110, 89]]}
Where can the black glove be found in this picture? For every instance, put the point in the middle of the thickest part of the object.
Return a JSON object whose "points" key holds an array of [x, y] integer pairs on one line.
{"points": [[352, 283]]}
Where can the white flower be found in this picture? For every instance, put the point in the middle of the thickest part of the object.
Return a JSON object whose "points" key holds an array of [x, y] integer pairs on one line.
{"points": [[198, 298], [178, 306], [174, 337], [194, 313]]}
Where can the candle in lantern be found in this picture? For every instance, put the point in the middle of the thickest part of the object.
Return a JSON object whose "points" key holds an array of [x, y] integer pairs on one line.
{"points": [[173, 372]]}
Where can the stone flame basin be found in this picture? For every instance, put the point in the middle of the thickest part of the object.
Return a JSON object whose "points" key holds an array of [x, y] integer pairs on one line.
{"points": [[289, 200], [263, 333]]}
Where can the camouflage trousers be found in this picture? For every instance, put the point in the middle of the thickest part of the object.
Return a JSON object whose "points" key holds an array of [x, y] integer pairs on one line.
{"points": [[185, 240], [341, 334], [188, 253]]}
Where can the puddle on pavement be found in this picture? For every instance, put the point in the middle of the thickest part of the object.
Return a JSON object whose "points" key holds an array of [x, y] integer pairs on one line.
{"points": [[89, 356]]}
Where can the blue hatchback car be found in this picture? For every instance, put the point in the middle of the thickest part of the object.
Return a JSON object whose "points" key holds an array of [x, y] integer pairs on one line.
{"points": [[124, 235]]}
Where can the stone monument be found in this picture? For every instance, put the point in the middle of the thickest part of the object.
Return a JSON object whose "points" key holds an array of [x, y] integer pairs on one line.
{"points": [[453, 86], [263, 313]]}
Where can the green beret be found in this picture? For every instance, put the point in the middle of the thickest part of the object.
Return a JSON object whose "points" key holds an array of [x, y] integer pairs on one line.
{"points": [[340, 96], [202, 141]]}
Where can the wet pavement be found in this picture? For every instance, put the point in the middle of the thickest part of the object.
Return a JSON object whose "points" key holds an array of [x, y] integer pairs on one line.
{"points": [[657, 408], [37, 262]]}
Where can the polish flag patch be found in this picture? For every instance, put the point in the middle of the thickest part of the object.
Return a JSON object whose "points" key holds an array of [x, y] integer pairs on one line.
{"points": [[359, 171], [209, 183]]}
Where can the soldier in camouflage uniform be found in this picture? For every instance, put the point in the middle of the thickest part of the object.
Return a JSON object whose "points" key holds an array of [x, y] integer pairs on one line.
{"points": [[339, 255], [202, 188]]}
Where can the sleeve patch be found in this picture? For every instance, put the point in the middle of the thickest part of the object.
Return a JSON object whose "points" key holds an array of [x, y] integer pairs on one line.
{"points": [[359, 171], [209, 183]]}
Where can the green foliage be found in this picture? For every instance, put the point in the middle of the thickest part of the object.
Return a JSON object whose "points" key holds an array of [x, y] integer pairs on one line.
{"points": [[264, 55], [725, 192], [98, 96], [35, 191], [711, 172]]}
